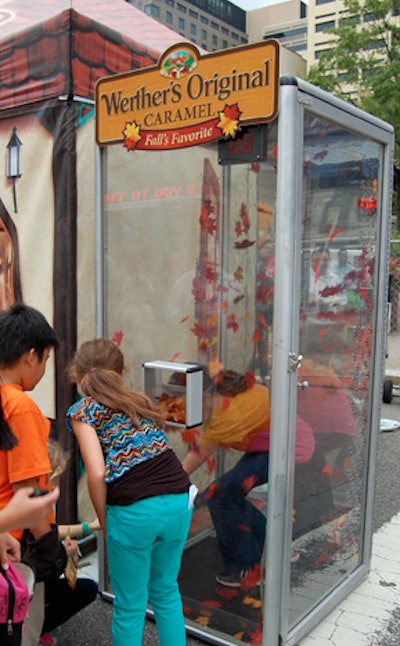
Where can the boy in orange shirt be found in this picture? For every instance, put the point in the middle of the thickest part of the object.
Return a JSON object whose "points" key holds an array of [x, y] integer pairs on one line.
{"points": [[26, 340]]}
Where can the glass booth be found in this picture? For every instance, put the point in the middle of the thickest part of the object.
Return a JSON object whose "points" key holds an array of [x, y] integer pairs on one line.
{"points": [[265, 254]]}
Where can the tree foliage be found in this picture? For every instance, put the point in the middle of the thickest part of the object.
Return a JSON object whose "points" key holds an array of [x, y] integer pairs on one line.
{"points": [[365, 57]]}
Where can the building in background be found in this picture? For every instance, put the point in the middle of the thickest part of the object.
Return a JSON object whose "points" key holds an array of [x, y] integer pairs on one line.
{"points": [[211, 25], [285, 21]]}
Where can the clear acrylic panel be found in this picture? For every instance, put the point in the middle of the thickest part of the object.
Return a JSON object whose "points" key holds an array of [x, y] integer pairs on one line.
{"points": [[189, 278], [339, 238]]}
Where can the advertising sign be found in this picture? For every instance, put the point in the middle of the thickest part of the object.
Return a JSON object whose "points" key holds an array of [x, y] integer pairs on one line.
{"points": [[189, 98]]}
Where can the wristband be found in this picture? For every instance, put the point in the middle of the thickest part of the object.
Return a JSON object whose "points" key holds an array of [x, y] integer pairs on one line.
{"points": [[85, 529]]}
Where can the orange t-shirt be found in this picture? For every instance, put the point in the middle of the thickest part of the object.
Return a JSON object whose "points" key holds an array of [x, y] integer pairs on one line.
{"points": [[29, 458]]}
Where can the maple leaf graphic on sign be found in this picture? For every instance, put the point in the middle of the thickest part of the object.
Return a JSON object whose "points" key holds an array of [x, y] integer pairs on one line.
{"points": [[132, 135], [229, 120]]}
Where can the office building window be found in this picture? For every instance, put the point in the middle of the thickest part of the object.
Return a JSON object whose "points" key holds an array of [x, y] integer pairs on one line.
{"points": [[224, 44], [193, 29], [170, 3], [181, 23], [193, 14], [321, 26], [168, 18], [152, 10], [204, 20], [204, 34], [181, 7], [214, 40]]}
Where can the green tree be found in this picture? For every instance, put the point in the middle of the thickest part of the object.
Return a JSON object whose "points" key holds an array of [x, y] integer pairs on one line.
{"points": [[365, 58]]}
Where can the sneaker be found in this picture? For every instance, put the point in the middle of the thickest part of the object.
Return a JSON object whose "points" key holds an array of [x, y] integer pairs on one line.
{"points": [[231, 578], [47, 640]]}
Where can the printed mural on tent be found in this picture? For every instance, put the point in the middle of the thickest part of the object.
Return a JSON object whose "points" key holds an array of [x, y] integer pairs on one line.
{"points": [[52, 52]]}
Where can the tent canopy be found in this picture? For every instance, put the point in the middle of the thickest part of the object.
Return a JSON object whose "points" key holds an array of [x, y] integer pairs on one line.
{"points": [[50, 48]]}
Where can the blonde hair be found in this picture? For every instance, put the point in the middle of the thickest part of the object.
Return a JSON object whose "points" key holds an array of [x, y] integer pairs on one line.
{"points": [[98, 367], [58, 458]]}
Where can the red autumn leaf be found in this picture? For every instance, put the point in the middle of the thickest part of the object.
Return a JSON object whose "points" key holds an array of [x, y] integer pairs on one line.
{"points": [[210, 465], [238, 273], [326, 470], [231, 323], [187, 610], [330, 291], [210, 493], [332, 233], [252, 579], [175, 356], [255, 167], [232, 112], [238, 228], [197, 329], [225, 593], [213, 603], [117, 337], [243, 528], [256, 335], [226, 402], [250, 378], [263, 321], [244, 244], [210, 274], [248, 483], [256, 637], [323, 332], [245, 218], [237, 299], [185, 318]]}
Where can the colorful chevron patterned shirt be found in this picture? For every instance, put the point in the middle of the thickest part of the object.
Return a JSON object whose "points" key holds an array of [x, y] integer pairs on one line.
{"points": [[124, 444]]}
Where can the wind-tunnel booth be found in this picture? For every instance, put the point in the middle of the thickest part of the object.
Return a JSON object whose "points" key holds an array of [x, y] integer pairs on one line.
{"points": [[242, 223]]}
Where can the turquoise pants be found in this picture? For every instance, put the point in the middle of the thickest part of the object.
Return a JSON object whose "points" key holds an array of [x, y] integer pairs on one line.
{"points": [[145, 542]]}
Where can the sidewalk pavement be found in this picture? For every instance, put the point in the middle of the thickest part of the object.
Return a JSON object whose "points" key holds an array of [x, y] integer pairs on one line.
{"points": [[370, 615]]}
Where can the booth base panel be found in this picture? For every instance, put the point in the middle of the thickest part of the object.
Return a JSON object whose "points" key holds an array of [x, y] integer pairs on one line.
{"points": [[230, 611]]}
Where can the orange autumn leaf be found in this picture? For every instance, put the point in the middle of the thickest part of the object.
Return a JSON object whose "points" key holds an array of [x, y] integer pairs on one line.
{"points": [[327, 471], [203, 621], [252, 579], [256, 335], [238, 273], [214, 367], [251, 601], [239, 635]]}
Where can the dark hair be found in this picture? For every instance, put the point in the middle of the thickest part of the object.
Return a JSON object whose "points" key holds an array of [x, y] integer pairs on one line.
{"points": [[230, 382], [22, 328]]}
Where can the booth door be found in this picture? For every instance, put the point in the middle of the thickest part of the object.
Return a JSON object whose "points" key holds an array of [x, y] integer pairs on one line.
{"points": [[330, 295]]}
